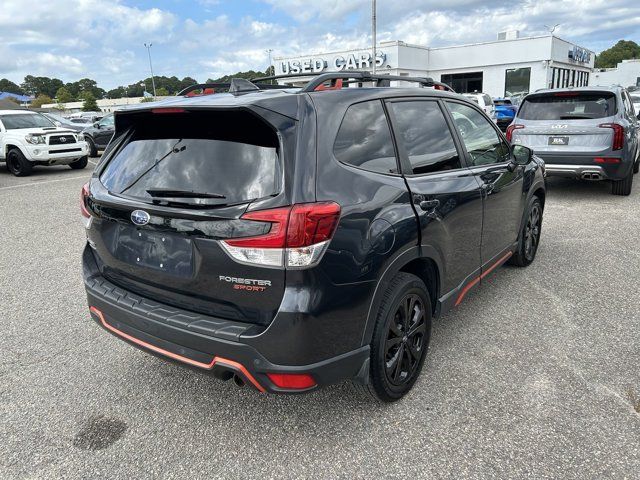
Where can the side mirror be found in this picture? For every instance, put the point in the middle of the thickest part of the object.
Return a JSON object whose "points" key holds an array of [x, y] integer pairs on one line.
{"points": [[638, 117], [96, 125], [521, 155]]}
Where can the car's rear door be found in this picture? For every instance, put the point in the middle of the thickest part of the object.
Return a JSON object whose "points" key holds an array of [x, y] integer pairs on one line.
{"points": [[446, 196], [488, 156]]}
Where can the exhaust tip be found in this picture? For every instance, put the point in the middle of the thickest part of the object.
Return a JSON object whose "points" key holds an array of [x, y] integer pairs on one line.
{"points": [[238, 380]]}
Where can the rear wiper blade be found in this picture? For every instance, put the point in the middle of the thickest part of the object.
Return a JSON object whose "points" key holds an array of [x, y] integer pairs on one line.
{"points": [[167, 192]]}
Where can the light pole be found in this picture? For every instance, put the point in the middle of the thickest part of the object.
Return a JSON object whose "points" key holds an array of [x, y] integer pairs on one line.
{"points": [[373, 33], [153, 82], [268, 51]]}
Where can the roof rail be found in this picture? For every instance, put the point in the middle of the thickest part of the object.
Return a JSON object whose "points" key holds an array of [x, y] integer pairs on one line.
{"points": [[381, 80], [225, 87], [317, 82]]}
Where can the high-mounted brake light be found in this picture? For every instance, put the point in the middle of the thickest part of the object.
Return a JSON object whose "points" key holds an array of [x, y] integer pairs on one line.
{"points": [[510, 129], [168, 110], [84, 211], [292, 381], [566, 94], [618, 135], [298, 237]]}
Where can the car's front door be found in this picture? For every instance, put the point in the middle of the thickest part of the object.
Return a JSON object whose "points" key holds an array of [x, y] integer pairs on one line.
{"points": [[489, 158], [105, 132], [446, 196]]}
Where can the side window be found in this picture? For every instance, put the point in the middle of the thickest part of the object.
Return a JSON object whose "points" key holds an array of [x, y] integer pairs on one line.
{"points": [[628, 106], [480, 139], [364, 139], [107, 121], [423, 130]]}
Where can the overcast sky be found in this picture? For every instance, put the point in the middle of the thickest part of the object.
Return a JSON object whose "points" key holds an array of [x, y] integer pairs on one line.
{"points": [[103, 39]]}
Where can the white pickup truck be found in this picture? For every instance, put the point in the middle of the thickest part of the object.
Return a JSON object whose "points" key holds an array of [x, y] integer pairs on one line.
{"points": [[29, 138]]}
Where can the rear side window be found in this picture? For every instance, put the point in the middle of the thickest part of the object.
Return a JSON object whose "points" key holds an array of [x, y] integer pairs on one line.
{"points": [[487, 100], [568, 106], [364, 139], [226, 157], [426, 137]]}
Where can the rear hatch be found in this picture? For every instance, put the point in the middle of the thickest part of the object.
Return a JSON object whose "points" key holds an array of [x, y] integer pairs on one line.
{"points": [[176, 183], [566, 122]]}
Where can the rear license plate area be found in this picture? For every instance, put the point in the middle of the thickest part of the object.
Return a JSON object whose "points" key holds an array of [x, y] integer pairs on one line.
{"points": [[168, 253], [558, 140]]}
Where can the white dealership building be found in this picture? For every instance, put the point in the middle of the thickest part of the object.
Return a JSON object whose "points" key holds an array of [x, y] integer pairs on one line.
{"points": [[509, 66]]}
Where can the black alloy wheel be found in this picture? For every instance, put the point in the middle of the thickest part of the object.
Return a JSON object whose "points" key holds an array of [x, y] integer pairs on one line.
{"points": [[400, 338], [532, 232], [405, 340]]}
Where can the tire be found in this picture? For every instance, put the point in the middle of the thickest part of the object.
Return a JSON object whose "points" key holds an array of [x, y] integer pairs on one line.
{"points": [[18, 164], [529, 238], [80, 163], [388, 380], [636, 166], [93, 151], [622, 187]]}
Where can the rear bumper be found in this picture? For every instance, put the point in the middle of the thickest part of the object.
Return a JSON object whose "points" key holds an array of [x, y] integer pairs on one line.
{"points": [[583, 166], [205, 343]]}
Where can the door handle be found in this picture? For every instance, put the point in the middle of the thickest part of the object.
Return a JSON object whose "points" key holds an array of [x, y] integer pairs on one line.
{"points": [[427, 205]]}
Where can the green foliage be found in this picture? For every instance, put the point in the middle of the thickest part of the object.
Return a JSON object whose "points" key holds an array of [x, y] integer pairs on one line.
{"points": [[9, 86], [41, 100], [247, 75], [41, 86], [162, 92], [147, 99], [63, 95], [90, 104], [623, 50]]}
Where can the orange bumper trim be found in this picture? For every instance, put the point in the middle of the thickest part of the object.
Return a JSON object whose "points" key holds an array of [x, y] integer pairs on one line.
{"points": [[207, 366]]}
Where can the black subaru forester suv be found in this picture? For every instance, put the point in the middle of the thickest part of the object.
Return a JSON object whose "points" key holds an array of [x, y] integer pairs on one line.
{"points": [[291, 238]]}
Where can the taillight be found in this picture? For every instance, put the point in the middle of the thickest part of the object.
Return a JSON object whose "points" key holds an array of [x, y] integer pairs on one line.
{"points": [[298, 237], [511, 128], [292, 381], [84, 211], [606, 160], [618, 135]]}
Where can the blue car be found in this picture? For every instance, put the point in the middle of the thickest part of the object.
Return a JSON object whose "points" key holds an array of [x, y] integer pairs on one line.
{"points": [[505, 112]]}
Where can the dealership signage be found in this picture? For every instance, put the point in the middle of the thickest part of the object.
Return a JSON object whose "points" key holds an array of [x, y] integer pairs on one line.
{"points": [[580, 55], [351, 61]]}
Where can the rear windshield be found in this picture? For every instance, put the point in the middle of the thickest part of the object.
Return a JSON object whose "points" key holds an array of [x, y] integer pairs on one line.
{"points": [[568, 106], [226, 157], [502, 102], [25, 120]]}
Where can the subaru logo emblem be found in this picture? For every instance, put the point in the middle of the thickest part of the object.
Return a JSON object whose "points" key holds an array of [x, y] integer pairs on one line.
{"points": [[140, 217]]}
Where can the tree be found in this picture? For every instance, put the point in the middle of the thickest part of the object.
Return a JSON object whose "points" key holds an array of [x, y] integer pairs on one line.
{"points": [[8, 86], [147, 99], [41, 85], [90, 104], [623, 50], [41, 100], [63, 95], [247, 75], [162, 92]]}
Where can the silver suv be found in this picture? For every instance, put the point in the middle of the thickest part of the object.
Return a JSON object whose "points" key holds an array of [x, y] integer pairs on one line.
{"points": [[591, 133]]}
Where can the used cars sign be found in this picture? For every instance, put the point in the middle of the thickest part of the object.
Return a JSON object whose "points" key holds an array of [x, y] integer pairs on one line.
{"points": [[357, 61]]}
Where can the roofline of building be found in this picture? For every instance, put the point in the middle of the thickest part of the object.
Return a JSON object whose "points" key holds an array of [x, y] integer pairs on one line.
{"points": [[395, 43]]}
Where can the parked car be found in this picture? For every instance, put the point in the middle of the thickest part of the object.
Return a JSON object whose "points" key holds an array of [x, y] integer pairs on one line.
{"points": [[635, 99], [29, 138], [505, 112], [98, 135], [485, 102], [589, 133], [60, 121], [296, 238]]}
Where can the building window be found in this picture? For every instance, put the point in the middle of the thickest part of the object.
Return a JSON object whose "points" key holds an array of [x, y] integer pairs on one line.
{"points": [[517, 81], [464, 82]]}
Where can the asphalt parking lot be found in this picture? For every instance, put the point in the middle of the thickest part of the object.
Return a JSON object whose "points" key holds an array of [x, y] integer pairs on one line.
{"points": [[531, 377]]}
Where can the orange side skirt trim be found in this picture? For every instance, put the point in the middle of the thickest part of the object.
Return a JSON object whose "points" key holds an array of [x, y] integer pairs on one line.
{"points": [[468, 287]]}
